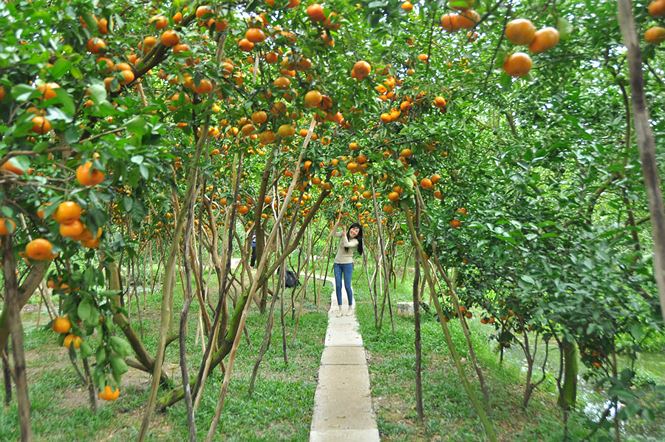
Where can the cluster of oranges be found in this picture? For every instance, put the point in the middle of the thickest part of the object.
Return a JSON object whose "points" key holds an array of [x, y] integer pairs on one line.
{"points": [[63, 325], [656, 34], [522, 32]]}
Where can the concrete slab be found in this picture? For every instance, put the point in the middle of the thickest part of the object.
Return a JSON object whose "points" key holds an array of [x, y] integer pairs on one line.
{"points": [[344, 435], [343, 355], [343, 402]]}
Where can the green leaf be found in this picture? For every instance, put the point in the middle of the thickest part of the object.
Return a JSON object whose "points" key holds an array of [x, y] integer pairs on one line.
{"points": [[120, 346], [68, 107], [60, 68], [86, 350], [529, 279], [97, 92], [118, 367], [137, 126], [87, 311], [23, 92]]}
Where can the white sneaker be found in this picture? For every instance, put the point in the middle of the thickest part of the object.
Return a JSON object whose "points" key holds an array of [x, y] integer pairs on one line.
{"points": [[339, 313], [350, 311]]}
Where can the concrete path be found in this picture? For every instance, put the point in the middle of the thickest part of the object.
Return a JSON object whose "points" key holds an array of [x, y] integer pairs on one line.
{"points": [[343, 403]]}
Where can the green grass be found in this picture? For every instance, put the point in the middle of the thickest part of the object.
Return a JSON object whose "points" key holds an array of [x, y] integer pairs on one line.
{"points": [[280, 408]]}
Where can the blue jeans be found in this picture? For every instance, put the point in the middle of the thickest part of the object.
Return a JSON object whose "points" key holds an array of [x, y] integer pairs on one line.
{"points": [[345, 270]]}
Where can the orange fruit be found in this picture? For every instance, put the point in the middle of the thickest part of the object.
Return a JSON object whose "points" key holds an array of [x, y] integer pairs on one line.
{"points": [[435, 178], [12, 166], [450, 22], [48, 90], [438, 194], [255, 35], [148, 43], [74, 340], [177, 17], [657, 8], [202, 11], [61, 324], [179, 48], [41, 125], [461, 211], [71, 230], [455, 223], [520, 31], [39, 249], [361, 69], [517, 64], [204, 87], [7, 226], [245, 45], [170, 38], [440, 102], [2, 92], [67, 212], [393, 196], [467, 19], [286, 130], [159, 21], [243, 209], [259, 117], [544, 39], [655, 35], [407, 6], [87, 176], [127, 77], [103, 26], [108, 394], [95, 45], [315, 12], [282, 82], [426, 183], [313, 99]]}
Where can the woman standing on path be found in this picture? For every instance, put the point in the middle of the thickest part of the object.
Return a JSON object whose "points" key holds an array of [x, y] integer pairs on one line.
{"points": [[350, 241]]}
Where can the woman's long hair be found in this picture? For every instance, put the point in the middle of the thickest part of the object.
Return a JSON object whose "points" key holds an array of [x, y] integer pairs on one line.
{"points": [[359, 237]]}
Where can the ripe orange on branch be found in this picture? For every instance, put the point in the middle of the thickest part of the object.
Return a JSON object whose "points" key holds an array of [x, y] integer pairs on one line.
{"points": [[450, 22], [74, 340], [467, 19], [313, 99], [72, 229], [520, 31], [169, 38], [655, 35], [657, 8], [67, 212], [108, 394], [517, 64], [7, 226], [544, 40], [41, 125], [61, 324], [361, 69], [255, 35], [315, 12]]}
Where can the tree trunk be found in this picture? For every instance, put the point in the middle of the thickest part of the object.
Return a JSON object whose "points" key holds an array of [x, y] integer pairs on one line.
{"points": [[14, 322], [647, 145], [416, 325]]}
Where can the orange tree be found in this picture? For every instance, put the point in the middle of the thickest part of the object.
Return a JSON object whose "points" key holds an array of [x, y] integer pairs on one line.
{"points": [[126, 129]]}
